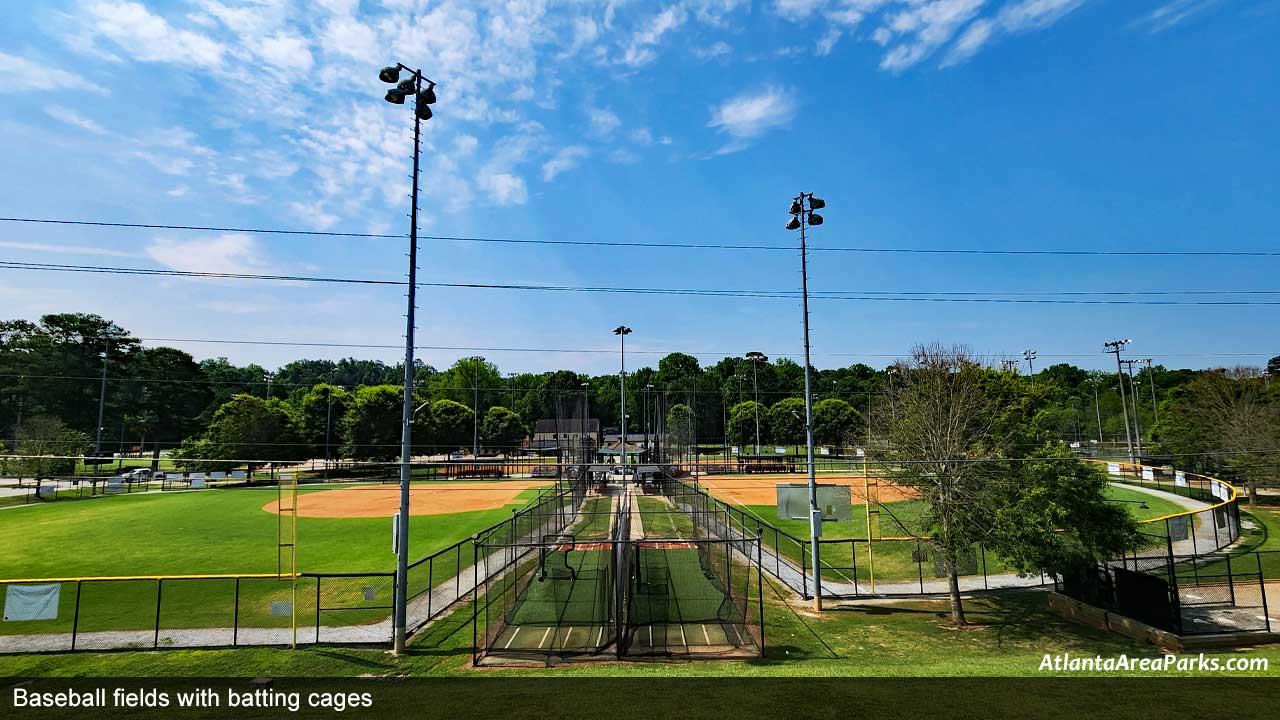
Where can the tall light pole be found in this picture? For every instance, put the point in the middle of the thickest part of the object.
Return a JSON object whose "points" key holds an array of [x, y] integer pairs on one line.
{"points": [[622, 331], [756, 358], [475, 405], [423, 98], [583, 459], [802, 215], [648, 388], [269, 377], [1030, 356], [102, 404], [1115, 346]]}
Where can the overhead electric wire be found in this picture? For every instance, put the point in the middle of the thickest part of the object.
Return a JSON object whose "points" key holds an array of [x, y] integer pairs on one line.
{"points": [[702, 292], [654, 244]]}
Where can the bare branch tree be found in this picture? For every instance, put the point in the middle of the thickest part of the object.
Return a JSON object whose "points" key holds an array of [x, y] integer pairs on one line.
{"points": [[940, 418]]}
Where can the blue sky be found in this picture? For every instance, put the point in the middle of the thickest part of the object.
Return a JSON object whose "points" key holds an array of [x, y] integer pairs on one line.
{"points": [[997, 124]]}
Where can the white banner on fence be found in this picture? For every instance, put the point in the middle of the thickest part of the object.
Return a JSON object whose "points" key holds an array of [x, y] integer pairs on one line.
{"points": [[1113, 468], [31, 602], [1219, 490], [823, 451], [220, 475], [198, 482], [1147, 474], [861, 453], [735, 452], [783, 451], [239, 475], [1179, 479]]}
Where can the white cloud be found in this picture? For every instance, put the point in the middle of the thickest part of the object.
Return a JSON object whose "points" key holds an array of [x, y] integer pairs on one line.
{"points": [[828, 41], [797, 9], [70, 117], [970, 42], [64, 249], [565, 159], [166, 163], [179, 191], [229, 253], [924, 28], [751, 114], [504, 188], [287, 52], [640, 50], [151, 38], [18, 74], [603, 122], [1172, 13], [1035, 14], [718, 49]]}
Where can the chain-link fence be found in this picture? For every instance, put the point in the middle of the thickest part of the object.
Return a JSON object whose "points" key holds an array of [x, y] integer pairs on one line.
{"points": [[195, 611]]}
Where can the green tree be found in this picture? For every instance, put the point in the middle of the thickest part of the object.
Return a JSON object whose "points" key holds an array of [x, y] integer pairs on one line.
{"points": [[452, 425], [835, 422], [680, 424], [742, 424], [372, 427], [322, 409], [786, 421], [166, 401], [502, 429], [51, 448], [246, 430], [1052, 516]]}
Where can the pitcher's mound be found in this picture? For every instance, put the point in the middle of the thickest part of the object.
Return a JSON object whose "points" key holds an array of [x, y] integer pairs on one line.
{"points": [[384, 500]]}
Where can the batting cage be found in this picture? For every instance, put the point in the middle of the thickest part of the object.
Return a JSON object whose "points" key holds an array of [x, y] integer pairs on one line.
{"points": [[632, 576]]}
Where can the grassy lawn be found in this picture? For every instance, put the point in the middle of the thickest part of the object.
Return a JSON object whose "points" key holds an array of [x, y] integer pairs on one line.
{"points": [[1011, 633], [661, 520], [222, 531], [1260, 533]]}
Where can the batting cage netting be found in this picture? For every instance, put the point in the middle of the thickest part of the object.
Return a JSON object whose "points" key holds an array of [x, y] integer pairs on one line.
{"points": [[631, 576]]}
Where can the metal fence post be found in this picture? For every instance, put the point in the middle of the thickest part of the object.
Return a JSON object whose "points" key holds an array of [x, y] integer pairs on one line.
{"points": [[235, 616], [431, 571], [318, 607], [760, 583], [159, 588], [76, 616], [1231, 584], [1262, 586]]}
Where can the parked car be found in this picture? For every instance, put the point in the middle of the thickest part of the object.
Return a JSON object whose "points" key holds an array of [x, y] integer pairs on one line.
{"points": [[137, 474]]}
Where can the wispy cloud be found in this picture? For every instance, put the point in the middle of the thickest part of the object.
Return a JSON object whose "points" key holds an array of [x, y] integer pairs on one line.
{"points": [[751, 114], [19, 74], [1172, 13], [65, 249], [564, 160], [70, 117], [229, 253]]}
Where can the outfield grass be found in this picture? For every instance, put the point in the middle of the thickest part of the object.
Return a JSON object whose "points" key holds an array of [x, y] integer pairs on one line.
{"points": [[222, 531]]}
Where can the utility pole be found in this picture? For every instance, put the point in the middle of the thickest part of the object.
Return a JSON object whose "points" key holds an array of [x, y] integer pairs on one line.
{"points": [[801, 217], [1137, 426], [756, 358], [1115, 346], [1097, 409], [1151, 378], [1030, 355], [423, 99]]}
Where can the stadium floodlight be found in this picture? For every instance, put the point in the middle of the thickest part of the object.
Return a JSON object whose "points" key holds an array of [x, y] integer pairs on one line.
{"points": [[802, 213], [396, 96], [622, 331]]}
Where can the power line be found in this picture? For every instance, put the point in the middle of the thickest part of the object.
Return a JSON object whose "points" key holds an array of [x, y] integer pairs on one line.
{"points": [[652, 244], [701, 292]]}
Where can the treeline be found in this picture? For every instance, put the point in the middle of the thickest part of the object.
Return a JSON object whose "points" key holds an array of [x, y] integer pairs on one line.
{"points": [[159, 398]]}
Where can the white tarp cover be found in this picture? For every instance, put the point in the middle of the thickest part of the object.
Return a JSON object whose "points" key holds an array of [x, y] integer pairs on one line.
{"points": [[31, 602]]}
